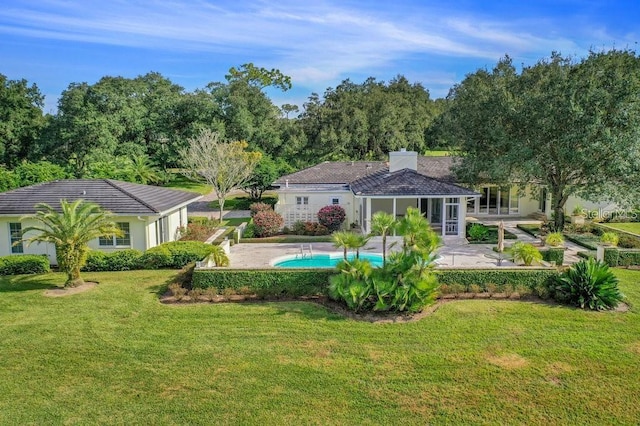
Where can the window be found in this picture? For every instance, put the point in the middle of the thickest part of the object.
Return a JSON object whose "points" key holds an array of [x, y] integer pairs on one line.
{"points": [[15, 233], [118, 241], [162, 230], [335, 201], [302, 201]]}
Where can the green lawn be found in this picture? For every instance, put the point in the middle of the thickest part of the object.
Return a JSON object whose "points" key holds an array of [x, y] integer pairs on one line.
{"points": [[633, 227], [115, 355], [182, 182]]}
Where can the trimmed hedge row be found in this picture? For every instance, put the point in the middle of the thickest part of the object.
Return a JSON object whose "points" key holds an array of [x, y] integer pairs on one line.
{"points": [[24, 264], [530, 278], [615, 256], [308, 282], [533, 230], [172, 255], [585, 240], [266, 282], [554, 255]]}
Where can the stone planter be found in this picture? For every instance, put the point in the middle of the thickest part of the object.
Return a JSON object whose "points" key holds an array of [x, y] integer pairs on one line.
{"points": [[577, 220]]}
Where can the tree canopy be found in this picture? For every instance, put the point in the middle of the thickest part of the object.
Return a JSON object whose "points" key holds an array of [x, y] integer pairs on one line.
{"points": [[571, 126]]}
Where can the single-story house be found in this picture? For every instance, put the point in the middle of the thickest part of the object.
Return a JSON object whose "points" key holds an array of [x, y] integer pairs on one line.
{"points": [[407, 180], [147, 215]]}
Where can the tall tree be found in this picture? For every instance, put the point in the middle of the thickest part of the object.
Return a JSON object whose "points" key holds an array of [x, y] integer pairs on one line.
{"points": [[366, 121], [572, 126], [70, 230], [223, 165], [21, 120]]}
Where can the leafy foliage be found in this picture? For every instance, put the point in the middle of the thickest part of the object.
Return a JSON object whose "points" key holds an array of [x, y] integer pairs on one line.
{"points": [[24, 264], [120, 260], [478, 232], [569, 125], [175, 254], [404, 283], [267, 223], [332, 217], [609, 238], [554, 239], [70, 230], [589, 284], [256, 208], [525, 253]]}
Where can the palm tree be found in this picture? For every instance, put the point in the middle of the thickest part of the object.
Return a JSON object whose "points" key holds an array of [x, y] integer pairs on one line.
{"points": [[342, 240], [383, 224], [143, 170], [71, 230]]}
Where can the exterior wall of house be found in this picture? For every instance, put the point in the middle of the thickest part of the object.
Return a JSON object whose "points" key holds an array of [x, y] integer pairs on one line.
{"points": [[142, 231], [303, 204]]}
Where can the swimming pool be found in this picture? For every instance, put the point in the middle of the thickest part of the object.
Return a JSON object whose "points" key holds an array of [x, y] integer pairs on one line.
{"points": [[322, 260]]}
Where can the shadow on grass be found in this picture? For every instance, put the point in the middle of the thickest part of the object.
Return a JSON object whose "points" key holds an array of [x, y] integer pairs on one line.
{"points": [[27, 282], [311, 310]]}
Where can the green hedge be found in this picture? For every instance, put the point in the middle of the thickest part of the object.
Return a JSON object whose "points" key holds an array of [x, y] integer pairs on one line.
{"points": [[266, 282], [174, 255], [589, 254], [588, 241], [554, 255], [24, 264], [121, 260], [533, 230], [308, 282], [530, 278]]}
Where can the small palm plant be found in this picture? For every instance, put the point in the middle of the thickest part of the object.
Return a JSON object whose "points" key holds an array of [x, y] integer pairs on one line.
{"points": [[609, 238], [525, 253], [589, 284], [383, 224], [71, 230], [219, 256], [554, 239]]}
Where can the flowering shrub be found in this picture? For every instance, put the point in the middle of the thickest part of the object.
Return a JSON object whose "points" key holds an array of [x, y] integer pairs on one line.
{"points": [[332, 217], [267, 223], [315, 228], [259, 207]]}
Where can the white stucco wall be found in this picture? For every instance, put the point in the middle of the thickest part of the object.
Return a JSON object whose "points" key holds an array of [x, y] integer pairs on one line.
{"points": [[142, 231], [291, 212]]}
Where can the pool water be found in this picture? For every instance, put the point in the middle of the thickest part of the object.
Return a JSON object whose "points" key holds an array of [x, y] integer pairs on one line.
{"points": [[324, 260]]}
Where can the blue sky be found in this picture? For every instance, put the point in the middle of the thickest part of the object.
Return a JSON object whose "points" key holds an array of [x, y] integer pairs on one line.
{"points": [[318, 43]]}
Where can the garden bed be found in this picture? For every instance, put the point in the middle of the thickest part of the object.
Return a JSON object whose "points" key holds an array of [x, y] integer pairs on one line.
{"points": [[491, 234]]}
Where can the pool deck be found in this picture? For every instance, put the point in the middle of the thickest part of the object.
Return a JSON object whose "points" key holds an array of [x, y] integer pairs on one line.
{"points": [[455, 252]]}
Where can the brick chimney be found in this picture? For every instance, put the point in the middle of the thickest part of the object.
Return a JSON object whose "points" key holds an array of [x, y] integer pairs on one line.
{"points": [[403, 159]]}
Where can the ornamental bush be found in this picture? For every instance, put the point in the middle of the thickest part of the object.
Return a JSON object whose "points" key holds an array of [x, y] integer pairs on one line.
{"points": [[24, 264], [332, 217], [174, 255], [259, 207], [121, 260], [267, 223], [589, 284]]}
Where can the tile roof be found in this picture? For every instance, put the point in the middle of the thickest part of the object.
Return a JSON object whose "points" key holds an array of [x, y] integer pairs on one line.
{"points": [[345, 172], [406, 182], [121, 198]]}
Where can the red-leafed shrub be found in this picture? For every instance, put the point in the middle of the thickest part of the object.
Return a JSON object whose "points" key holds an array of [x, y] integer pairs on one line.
{"points": [[259, 207], [332, 217], [267, 223], [315, 228]]}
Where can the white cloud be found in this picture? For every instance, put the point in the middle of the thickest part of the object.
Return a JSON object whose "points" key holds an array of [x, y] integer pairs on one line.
{"points": [[314, 42]]}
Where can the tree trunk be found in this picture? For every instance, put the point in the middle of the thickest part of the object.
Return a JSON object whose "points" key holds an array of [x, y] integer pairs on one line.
{"points": [[73, 278], [384, 250], [221, 203], [558, 200]]}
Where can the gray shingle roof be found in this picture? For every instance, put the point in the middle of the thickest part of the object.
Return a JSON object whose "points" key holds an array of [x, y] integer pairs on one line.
{"points": [[121, 198], [346, 172], [406, 182]]}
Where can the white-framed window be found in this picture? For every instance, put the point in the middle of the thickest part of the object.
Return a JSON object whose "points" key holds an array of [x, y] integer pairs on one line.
{"points": [[302, 201], [15, 236], [118, 241], [335, 201], [162, 230]]}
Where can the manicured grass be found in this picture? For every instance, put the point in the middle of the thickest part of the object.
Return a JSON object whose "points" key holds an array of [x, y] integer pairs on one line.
{"points": [[234, 221], [633, 227], [437, 153], [182, 182], [115, 355], [242, 202]]}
